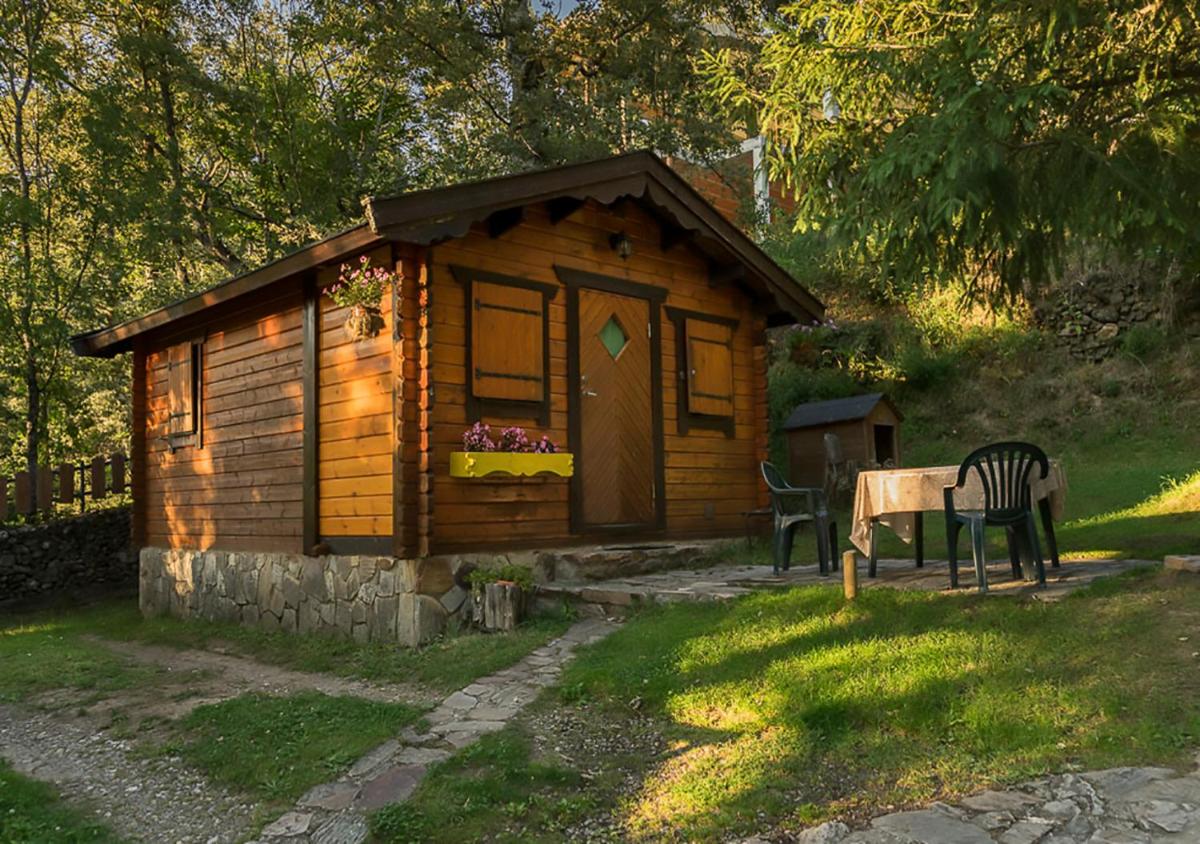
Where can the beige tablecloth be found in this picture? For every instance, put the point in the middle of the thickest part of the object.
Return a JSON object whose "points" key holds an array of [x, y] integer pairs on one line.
{"points": [[892, 496]]}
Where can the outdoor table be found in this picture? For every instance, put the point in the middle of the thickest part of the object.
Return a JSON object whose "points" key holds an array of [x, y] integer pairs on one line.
{"points": [[899, 499]]}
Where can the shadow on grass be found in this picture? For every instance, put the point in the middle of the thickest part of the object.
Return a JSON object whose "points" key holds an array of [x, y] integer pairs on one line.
{"points": [[795, 698]]}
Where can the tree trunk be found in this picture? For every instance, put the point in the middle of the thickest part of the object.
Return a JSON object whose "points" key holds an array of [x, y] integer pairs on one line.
{"points": [[33, 414]]}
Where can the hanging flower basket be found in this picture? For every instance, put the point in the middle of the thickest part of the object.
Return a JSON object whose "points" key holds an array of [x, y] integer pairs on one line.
{"points": [[361, 289], [363, 322], [513, 454]]}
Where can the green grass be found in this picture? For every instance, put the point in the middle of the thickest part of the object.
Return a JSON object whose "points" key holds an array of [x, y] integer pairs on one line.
{"points": [[496, 777], [29, 643], [33, 813], [276, 748], [788, 707], [44, 652]]}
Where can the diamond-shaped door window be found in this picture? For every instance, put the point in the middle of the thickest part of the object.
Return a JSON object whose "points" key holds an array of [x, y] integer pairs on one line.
{"points": [[613, 336]]}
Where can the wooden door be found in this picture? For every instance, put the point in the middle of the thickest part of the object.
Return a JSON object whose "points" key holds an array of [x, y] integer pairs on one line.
{"points": [[616, 451]]}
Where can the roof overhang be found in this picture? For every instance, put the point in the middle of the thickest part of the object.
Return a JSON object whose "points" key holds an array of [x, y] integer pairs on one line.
{"points": [[432, 216]]}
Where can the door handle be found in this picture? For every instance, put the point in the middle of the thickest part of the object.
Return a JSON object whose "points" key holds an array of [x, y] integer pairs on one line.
{"points": [[583, 388]]}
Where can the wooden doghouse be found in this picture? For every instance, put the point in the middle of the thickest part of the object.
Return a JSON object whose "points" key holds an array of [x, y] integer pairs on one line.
{"points": [[868, 427]]}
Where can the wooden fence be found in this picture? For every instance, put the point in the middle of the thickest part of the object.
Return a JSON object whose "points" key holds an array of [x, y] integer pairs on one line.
{"points": [[70, 484]]}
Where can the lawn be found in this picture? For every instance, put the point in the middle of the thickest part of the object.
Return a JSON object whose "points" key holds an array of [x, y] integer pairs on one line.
{"points": [[276, 748], [31, 642], [785, 708], [32, 813]]}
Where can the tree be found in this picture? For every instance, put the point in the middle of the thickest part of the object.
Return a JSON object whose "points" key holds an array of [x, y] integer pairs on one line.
{"points": [[982, 139], [56, 226]]}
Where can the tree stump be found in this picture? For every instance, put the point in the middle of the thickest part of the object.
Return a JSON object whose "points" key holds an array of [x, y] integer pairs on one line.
{"points": [[500, 606]]}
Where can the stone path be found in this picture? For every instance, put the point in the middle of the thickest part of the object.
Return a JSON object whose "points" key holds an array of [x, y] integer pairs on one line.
{"points": [[718, 583], [335, 812], [155, 799], [1116, 806]]}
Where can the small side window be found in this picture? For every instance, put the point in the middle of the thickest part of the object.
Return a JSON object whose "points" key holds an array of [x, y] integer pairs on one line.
{"points": [[710, 368], [704, 363], [183, 394]]}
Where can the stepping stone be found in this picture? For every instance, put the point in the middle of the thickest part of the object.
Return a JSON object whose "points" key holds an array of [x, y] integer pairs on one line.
{"points": [[375, 759], [459, 701], [330, 796], [1183, 562], [421, 755], [930, 825], [344, 828], [1026, 832], [1000, 801], [289, 824], [1117, 783], [395, 785]]}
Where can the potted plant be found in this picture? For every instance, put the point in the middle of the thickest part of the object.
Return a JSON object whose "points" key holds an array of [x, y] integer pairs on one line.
{"points": [[513, 453], [361, 288], [500, 597]]}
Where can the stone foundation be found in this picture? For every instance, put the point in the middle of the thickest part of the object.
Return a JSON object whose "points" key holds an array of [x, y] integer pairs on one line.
{"points": [[368, 599]]}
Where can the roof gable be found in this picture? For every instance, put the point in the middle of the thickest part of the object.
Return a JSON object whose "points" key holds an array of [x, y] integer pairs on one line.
{"points": [[817, 413], [432, 216]]}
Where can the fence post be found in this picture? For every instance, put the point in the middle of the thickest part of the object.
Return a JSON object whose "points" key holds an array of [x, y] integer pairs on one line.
{"points": [[3, 499], [99, 481], [66, 483], [118, 474], [45, 489], [24, 493]]}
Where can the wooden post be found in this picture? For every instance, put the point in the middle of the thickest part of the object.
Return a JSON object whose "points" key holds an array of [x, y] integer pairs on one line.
{"points": [[99, 480], [45, 489], [23, 493], [850, 574], [3, 499], [66, 483], [118, 474]]}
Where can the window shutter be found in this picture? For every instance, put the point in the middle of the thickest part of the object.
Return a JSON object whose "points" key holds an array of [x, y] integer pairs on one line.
{"points": [[506, 342], [710, 368], [180, 390]]}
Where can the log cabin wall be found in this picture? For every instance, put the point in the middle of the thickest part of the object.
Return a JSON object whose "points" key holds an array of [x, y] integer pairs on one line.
{"points": [[710, 477], [355, 441], [241, 486]]}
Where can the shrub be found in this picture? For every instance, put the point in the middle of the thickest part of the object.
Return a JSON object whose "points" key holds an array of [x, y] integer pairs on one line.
{"points": [[520, 575], [1144, 341]]}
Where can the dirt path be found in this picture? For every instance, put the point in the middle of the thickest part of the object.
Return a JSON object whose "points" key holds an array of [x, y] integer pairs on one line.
{"points": [[219, 676], [156, 799]]}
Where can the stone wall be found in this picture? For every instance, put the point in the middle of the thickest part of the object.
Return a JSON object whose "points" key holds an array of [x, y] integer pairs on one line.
{"points": [[368, 599], [72, 553], [1091, 313]]}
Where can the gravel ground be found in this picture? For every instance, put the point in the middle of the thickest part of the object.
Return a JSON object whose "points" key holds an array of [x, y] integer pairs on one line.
{"points": [[142, 799]]}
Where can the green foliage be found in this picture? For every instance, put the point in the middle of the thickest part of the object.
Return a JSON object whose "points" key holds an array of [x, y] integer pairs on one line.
{"points": [[520, 575], [33, 813], [276, 748], [1143, 342], [982, 141]]}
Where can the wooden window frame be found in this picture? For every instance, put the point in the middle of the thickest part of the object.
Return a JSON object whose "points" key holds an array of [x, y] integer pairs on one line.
{"points": [[195, 437], [686, 420], [479, 407]]}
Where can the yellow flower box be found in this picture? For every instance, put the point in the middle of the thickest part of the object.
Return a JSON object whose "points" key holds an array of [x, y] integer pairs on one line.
{"points": [[478, 464]]}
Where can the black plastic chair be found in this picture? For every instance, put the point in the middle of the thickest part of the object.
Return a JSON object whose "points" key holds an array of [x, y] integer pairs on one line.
{"points": [[794, 506], [1004, 469]]}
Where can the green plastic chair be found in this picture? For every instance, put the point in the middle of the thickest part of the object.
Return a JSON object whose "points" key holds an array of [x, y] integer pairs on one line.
{"points": [[1004, 470], [794, 506]]}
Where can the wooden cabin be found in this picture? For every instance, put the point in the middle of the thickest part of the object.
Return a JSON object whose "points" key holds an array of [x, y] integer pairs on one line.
{"points": [[867, 426], [605, 305]]}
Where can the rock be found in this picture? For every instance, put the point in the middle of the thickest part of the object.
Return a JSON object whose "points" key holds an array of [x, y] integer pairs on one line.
{"points": [[1165, 816], [1027, 831], [394, 785], [289, 824], [827, 833], [330, 796], [1182, 562], [1014, 802], [344, 828], [930, 825], [1116, 783], [992, 821]]}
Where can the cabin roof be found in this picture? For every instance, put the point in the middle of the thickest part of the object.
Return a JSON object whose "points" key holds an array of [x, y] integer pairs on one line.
{"points": [[433, 216], [816, 413]]}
